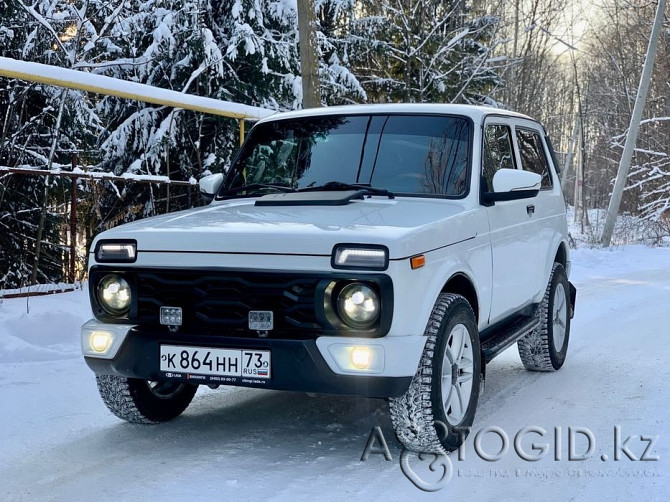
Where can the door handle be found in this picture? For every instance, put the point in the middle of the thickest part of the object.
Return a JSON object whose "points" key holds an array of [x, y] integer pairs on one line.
{"points": [[530, 209]]}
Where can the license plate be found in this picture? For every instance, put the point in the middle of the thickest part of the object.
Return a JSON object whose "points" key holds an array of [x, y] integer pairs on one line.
{"points": [[215, 362]]}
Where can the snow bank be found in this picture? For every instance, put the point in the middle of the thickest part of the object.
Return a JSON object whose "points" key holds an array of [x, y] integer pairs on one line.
{"points": [[42, 328]]}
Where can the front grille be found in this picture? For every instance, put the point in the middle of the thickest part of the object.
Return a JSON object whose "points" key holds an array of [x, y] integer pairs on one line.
{"points": [[216, 302]]}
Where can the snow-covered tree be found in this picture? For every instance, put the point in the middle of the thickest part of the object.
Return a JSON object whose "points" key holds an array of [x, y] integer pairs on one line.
{"points": [[423, 51], [616, 56]]}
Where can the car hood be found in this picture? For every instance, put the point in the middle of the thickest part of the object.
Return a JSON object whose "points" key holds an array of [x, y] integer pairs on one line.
{"points": [[406, 225]]}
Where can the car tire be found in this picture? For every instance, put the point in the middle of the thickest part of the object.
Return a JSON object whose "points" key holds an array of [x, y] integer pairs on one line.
{"points": [[142, 401], [435, 414], [545, 348]]}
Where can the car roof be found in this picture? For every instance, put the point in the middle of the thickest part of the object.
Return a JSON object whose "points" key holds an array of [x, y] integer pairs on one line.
{"points": [[477, 113]]}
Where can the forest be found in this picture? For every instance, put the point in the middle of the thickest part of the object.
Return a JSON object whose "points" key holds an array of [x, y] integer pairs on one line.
{"points": [[573, 65]]}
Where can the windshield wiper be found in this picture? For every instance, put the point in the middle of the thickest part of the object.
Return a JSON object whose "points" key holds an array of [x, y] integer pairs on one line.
{"points": [[256, 187], [338, 185]]}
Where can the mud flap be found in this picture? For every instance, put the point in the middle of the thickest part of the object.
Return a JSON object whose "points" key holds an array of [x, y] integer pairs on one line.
{"points": [[573, 299]]}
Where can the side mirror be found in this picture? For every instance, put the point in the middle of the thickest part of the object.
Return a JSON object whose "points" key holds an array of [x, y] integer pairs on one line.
{"points": [[514, 184], [209, 186]]}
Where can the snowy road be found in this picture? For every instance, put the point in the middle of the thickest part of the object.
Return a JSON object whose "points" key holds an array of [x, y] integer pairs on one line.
{"points": [[60, 443]]}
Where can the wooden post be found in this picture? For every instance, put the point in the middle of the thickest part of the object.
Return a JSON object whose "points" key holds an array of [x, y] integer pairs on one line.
{"points": [[309, 61], [73, 230]]}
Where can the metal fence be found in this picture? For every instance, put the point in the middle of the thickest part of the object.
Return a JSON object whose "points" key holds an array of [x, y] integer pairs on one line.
{"points": [[74, 209]]}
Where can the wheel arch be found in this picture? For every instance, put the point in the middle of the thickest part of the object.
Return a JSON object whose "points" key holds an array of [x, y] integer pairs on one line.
{"points": [[557, 252], [561, 255], [460, 284]]}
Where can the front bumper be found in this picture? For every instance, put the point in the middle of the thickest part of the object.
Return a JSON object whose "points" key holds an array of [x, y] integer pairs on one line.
{"points": [[297, 365]]}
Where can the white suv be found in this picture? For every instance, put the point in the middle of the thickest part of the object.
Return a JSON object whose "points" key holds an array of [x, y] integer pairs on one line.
{"points": [[384, 251]]}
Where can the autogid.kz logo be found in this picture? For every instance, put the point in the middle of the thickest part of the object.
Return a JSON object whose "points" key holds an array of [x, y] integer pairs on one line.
{"points": [[432, 471], [437, 463]]}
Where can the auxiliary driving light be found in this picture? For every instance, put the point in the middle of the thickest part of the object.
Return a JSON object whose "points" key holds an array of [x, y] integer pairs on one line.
{"points": [[171, 316], [100, 341]]}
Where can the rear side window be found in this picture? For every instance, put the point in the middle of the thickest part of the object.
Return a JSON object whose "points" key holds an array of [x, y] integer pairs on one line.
{"points": [[498, 152], [532, 153]]}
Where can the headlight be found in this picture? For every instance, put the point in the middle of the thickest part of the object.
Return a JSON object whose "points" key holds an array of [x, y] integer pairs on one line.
{"points": [[116, 251], [114, 294], [356, 256], [358, 305]]}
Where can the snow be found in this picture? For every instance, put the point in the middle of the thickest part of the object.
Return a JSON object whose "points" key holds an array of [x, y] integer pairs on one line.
{"points": [[133, 90], [628, 229], [108, 176], [41, 328], [60, 443]]}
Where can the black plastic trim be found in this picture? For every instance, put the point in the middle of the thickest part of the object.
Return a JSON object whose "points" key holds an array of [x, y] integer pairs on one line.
{"points": [[297, 365], [502, 325], [312, 198], [512, 195], [504, 337], [331, 325]]}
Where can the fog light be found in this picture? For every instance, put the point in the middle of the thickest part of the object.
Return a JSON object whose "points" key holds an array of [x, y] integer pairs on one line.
{"points": [[358, 359], [361, 357], [100, 341]]}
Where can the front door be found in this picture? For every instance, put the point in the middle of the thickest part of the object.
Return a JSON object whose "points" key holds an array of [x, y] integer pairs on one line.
{"points": [[514, 245]]}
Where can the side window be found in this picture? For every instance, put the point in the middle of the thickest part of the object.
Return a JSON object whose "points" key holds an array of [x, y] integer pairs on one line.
{"points": [[498, 152], [532, 153], [423, 155]]}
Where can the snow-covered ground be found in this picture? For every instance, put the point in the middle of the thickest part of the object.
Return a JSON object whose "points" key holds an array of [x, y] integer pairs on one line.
{"points": [[60, 443]]}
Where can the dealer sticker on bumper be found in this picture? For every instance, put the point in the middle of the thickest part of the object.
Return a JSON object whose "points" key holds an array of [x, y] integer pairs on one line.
{"points": [[215, 362]]}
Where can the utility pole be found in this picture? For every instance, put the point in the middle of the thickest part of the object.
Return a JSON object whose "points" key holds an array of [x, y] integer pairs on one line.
{"points": [[571, 150], [634, 128], [309, 61], [579, 183]]}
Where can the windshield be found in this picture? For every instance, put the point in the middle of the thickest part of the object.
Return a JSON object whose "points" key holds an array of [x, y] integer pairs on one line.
{"points": [[405, 154]]}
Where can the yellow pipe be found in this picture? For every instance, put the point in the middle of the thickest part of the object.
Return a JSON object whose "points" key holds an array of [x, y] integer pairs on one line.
{"points": [[101, 84]]}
